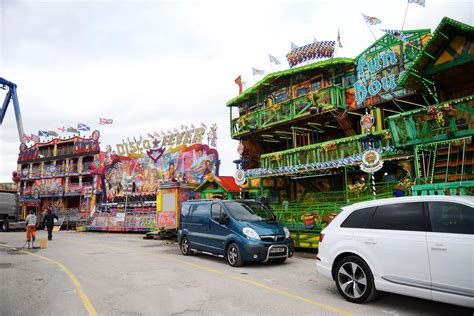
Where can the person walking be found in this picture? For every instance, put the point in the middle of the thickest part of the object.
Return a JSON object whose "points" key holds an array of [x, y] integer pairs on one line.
{"points": [[31, 228], [48, 221]]}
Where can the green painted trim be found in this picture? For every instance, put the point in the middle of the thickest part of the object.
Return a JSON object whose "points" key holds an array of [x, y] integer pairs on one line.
{"points": [[267, 80], [463, 59], [417, 65]]}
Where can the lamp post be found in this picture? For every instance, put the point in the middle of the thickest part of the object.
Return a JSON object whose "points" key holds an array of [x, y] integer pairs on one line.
{"points": [[127, 192]]}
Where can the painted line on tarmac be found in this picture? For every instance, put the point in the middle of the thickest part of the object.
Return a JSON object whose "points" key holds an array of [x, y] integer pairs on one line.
{"points": [[80, 292], [234, 277]]}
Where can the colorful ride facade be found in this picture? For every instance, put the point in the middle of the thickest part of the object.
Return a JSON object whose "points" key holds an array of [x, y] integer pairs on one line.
{"points": [[396, 120]]}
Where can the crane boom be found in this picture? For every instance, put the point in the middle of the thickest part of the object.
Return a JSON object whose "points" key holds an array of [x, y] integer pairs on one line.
{"points": [[11, 95]]}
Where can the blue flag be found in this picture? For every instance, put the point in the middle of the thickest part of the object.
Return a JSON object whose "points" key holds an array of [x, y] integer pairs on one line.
{"points": [[43, 133], [83, 127]]}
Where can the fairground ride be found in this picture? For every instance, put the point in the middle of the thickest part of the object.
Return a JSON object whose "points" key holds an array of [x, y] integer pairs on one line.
{"points": [[11, 95]]}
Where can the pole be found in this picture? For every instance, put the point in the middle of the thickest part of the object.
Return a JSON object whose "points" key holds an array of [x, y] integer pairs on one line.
{"points": [[375, 38], [404, 18]]}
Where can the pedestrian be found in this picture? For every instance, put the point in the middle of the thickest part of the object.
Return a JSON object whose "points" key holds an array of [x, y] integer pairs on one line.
{"points": [[264, 200], [48, 221], [31, 228]]}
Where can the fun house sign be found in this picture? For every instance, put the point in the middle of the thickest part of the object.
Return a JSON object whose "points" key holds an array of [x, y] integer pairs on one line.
{"points": [[381, 65]]}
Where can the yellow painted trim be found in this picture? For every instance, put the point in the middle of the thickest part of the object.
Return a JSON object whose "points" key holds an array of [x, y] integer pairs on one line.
{"points": [[80, 292]]}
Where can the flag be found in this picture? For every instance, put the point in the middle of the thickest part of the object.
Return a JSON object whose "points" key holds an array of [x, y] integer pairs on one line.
{"points": [[274, 60], [61, 129], [35, 138], [371, 19], [238, 81], [419, 2], [72, 130], [83, 127], [43, 133], [257, 71], [104, 121], [293, 46], [339, 39], [396, 33], [26, 138], [52, 133]]}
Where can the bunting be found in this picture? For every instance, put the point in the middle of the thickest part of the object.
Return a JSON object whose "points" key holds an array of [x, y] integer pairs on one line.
{"points": [[339, 44]]}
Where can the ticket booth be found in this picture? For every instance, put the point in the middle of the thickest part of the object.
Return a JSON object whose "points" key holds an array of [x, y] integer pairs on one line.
{"points": [[168, 204], [223, 188]]}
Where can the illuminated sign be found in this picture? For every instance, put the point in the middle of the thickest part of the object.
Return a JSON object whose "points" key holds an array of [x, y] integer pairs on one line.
{"points": [[171, 140]]}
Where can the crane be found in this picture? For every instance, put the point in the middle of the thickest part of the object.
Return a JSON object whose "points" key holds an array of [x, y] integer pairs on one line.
{"points": [[11, 95]]}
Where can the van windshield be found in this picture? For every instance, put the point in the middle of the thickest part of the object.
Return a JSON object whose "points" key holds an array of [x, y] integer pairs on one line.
{"points": [[250, 211]]}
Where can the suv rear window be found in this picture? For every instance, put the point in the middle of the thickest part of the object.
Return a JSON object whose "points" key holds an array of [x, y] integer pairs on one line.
{"points": [[358, 218], [451, 218], [400, 216]]}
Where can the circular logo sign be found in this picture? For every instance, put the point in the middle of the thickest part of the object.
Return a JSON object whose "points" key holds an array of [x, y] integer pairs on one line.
{"points": [[367, 121], [371, 161], [240, 177]]}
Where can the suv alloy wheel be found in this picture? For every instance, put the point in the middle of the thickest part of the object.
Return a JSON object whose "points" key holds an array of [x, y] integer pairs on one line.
{"points": [[354, 280]]}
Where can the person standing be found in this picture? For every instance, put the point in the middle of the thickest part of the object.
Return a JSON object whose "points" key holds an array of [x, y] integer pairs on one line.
{"points": [[48, 221], [264, 200], [31, 228]]}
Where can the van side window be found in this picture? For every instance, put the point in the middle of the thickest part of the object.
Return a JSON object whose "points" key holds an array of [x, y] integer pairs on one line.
{"points": [[185, 209], [401, 216], [216, 211], [451, 218], [200, 210], [358, 218]]}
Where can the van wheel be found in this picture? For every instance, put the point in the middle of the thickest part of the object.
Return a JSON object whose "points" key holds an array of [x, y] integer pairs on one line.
{"points": [[234, 258], [5, 226], [354, 280], [185, 248]]}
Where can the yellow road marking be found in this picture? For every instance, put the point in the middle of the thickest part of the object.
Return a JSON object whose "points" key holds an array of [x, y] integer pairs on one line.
{"points": [[232, 276], [85, 300]]}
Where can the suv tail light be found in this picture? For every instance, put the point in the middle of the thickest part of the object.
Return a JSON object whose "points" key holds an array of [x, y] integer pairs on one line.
{"points": [[321, 237]]}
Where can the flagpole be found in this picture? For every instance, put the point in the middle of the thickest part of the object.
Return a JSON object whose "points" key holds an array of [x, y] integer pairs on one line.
{"points": [[404, 18], [366, 23]]}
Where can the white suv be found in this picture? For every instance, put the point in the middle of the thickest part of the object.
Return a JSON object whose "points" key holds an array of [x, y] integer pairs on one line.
{"points": [[419, 246]]}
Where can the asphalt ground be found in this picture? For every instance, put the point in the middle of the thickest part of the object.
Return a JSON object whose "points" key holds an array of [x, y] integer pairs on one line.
{"points": [[120, 274]]}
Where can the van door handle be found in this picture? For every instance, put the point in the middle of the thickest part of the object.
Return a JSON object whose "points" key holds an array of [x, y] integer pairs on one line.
{"points": [[370, 241], [439, 247]]}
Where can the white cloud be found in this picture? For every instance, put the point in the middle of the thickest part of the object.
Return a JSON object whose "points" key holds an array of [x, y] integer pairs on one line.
{"points": [[153, 65]]}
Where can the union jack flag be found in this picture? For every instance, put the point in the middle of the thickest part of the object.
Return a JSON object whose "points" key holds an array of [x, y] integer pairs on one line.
{"points": [[372, 20], [419, 2], [104, 121]]}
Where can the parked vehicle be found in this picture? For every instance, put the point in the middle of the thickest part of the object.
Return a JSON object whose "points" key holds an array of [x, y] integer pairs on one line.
{"points": [[418, 246], [10, 212], [239, 230]]}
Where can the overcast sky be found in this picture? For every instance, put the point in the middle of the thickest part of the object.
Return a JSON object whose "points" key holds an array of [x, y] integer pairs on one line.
{"points": [[156, 65]]}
